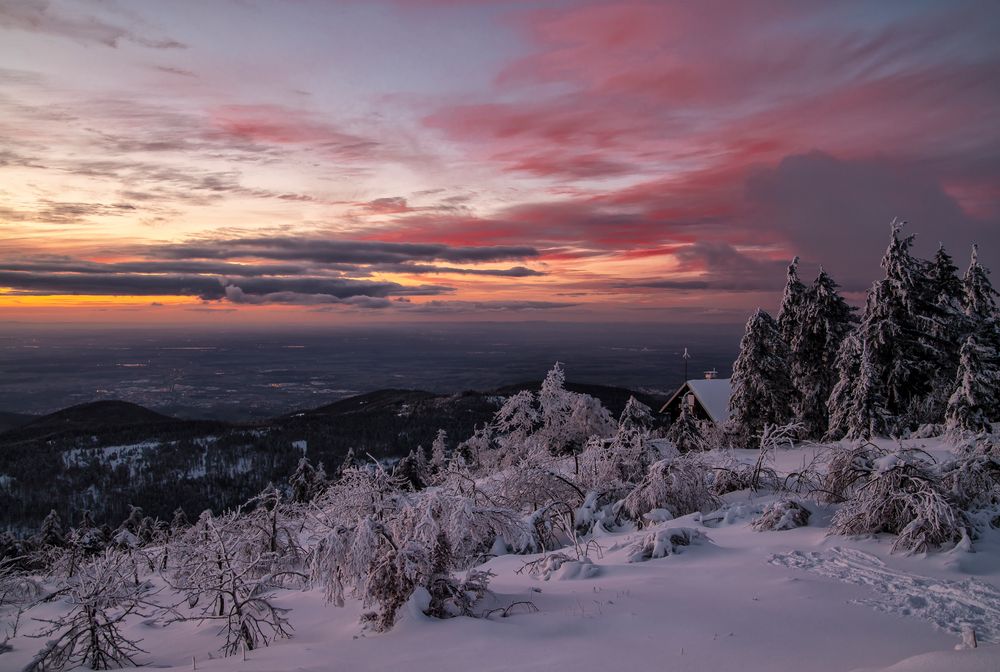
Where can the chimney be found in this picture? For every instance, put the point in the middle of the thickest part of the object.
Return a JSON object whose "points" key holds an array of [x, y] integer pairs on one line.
{"points": [[711, 375]]}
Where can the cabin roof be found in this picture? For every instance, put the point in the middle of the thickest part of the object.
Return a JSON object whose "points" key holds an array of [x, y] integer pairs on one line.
{"points": [[713, 395]]}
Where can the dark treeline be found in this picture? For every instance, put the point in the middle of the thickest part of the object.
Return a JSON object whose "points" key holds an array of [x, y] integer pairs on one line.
{"points": [[922, 356]]}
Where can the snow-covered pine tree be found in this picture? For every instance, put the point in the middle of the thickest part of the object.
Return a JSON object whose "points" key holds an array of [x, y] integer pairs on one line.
{"points": [[407, 471], [762, 387], [685, 432], [793, 302], [978, 295], [983, 319], [847, 367], [302, 481], [636, 416], [556, 406], [975, 392], [896, 328], [51, 532], [868, 417], [825, 321], [439, 457], [948, 330]]}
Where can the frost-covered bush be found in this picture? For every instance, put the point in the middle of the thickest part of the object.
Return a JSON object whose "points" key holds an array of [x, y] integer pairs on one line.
{"points": [[680, 485], [661, 543], [598, 509], [785, 514], [227, 577], [899, 493], [429, 536], [561, 566], [100, 597], [528, 487], [846, 468]]}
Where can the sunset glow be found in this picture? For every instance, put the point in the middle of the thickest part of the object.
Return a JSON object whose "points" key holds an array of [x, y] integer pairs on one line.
{"points": [[396, 160]]}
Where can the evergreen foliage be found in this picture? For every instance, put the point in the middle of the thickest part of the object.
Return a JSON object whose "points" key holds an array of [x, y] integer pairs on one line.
{"points": [[975, 392], [826, 320], [762, 386], [685, 432], [897, 328]]}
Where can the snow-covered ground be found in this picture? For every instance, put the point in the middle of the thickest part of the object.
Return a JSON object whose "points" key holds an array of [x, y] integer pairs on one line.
{"points": [[737, 599]]}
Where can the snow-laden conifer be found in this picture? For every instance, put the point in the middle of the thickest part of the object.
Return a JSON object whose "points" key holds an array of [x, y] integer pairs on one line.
{"points": [[847, 368], [826, 320], [793, 302], [975, 390], [897, 328], [685, 432], [867, 416], [762, 387]]}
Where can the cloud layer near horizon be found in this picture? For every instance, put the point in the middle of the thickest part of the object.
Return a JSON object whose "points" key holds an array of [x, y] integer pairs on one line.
{"points": [[599, 159]]}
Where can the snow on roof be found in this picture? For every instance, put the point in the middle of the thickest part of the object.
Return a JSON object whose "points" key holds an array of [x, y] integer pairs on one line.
{"points": [[714, 396]]}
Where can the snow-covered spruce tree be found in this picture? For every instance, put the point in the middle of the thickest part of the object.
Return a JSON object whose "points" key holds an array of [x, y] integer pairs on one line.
{"points": [[762, 388], [635, 417], [947, 331], [978, 295], [408, 472], [101, 596], [303, 481], [51, 532], [867, 416], [439, 452], [826, 319], [685, 431], [840, 404], [898, 326], [792, 309], [983, 319], [976, 386]]}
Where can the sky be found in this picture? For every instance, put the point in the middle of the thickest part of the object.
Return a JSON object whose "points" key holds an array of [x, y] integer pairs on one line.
{"points": [[322, 161]]}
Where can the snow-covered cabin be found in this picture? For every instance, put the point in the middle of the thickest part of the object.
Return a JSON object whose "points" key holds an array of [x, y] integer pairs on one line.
{"points": [[708, 396]]}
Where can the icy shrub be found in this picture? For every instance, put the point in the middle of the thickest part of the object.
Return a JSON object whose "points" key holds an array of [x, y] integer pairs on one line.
{"points": [[679, 485], [100, 598], [785, 514], [899, 493], [661, 543], [846, 468], [418, 548], [562, 566], [227, 577]]}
